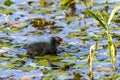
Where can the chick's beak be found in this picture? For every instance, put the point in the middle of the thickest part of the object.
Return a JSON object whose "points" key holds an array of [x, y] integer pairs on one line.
{"points": [[62, 42]]}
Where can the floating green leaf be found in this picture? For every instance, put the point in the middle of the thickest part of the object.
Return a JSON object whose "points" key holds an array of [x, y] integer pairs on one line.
{"points": [[6, 10], [81, 66], [69, 57], [8, 2], [11, 65], [4, 58], [39, 11], [42, 62], [52, 75], [49, 57], [27, 69]]}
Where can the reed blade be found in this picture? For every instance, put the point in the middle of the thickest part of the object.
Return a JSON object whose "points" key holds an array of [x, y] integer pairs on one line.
{"points": [[96, 18]]}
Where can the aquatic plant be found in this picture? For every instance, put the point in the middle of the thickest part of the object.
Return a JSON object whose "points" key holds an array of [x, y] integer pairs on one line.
{"points": [[85, 4], [8, 2], [68, 4], [40, 22], [106, 5], [104, 23], [92, 52], [42, 3]]}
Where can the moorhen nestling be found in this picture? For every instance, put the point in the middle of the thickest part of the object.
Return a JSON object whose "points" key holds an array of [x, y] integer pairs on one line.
{"points": [[41, 48]]}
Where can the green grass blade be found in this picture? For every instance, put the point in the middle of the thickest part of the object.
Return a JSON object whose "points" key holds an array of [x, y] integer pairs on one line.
{"points": [[84, 3], [111, 46], [112, 14], [112, 49], [64, 2], [96, 18], [103, 16]]}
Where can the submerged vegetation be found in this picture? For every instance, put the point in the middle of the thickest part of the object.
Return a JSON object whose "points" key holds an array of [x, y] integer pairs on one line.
{"points": [[90, 29]]}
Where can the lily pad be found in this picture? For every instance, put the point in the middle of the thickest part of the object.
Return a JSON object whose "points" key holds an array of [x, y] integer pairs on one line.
{"points": [[73, 18], [54, 74], [18, 62], [27, 69], [79, 28], [55, 29], [4, 67], [8, 2], [100, 33], [68, 57], [42, 62], [40, 22], [71, 49], [49, 57], [5, 58], [63, 65], [76, 34], [81, 66], [11, 65], [39, 11], [6, 10]]}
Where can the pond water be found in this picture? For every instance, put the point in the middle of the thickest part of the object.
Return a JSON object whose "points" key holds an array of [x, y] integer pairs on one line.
{"points": [[17, 31]]}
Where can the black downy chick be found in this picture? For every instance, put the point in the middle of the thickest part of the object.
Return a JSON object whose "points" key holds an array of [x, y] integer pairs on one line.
{"points": [[41, 48]]}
